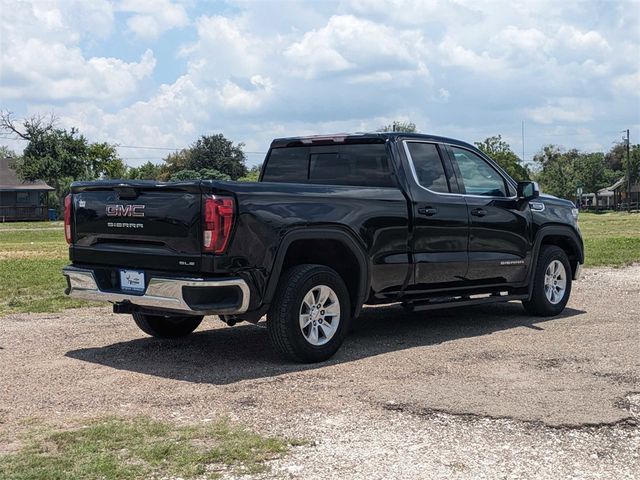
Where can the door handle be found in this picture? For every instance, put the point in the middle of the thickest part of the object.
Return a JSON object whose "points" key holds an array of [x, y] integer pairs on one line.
{"points": [[428, 211], [478, 212]]}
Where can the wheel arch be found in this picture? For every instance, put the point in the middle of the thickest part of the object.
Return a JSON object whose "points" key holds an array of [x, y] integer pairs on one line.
{"points": [[563, 237], [332, 247]]}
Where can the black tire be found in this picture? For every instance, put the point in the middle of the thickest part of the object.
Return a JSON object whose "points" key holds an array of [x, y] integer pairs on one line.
{"points": [[540, 304], [167, 326], [283, 318]]}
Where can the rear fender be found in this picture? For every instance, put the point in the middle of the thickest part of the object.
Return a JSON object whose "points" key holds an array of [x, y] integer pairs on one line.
{"points": [[321, 234]]}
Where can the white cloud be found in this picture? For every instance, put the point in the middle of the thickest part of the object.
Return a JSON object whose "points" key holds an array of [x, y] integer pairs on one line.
{"points": [[42, 59], [580, 40], [571, 110], [151, 18], [628, 84], [252, 71], [350, 43]]}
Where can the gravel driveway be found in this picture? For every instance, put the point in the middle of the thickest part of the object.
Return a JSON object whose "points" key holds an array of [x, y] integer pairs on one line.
{"points": [[483, 392]]}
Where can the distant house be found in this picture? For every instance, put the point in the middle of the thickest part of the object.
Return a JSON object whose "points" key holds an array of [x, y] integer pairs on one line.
{"points": [[20, 200], [615, 196]]}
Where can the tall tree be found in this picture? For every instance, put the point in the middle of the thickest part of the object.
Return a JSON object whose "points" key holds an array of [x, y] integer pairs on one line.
{"points": [[252, 175], [175, 162], [146, 171], [6, 152], [209, 154], [104, 161], [500, 151], [59, 156], [218, 153], [185, 175], [399, 126], [591, 172], [556, 174], [634, 162], [615, 157]]}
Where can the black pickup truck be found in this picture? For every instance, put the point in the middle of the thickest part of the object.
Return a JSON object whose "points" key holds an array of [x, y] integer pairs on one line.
{"points": [[335, 223]]}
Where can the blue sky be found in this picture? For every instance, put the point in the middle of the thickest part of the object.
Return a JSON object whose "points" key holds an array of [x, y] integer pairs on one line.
{"points": [[160, 73]]}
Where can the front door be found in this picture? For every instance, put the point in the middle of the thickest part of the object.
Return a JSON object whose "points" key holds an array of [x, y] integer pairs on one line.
{"points": [[499, 231], [440, 230]]}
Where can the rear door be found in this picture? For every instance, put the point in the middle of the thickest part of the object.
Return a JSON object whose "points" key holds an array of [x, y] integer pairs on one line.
{"points": [[138, 224], [499, 232], [441, 225]]}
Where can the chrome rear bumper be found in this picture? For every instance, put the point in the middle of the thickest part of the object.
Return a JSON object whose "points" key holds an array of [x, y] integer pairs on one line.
{"points": [[162, 293]]}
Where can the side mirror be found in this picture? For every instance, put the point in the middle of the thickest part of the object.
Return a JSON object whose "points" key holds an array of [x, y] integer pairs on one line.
{"points": [[528, 191]]}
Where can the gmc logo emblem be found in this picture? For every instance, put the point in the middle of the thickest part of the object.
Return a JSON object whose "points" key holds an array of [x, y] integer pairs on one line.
{"points": [[125, 210]]}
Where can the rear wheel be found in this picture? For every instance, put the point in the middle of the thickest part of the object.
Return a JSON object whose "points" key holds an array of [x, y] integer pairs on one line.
{"points": [[167, 326], [551, 283], [310, 315]]}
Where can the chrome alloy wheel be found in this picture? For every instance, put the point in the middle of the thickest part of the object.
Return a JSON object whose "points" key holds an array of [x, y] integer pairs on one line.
{"points": [[555, 282], [319, 315]]}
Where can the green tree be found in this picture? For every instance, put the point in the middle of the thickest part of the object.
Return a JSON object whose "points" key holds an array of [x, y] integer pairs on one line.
{"points": [[500, 151], [213, 174], [615, 157], [252, 175], [399, 126], [104, 162], [59, 156], [6, 152], [146, 171], [185, 175], [556, 174], [209, 152], [591, 172], [634, 162], [174, 162]]}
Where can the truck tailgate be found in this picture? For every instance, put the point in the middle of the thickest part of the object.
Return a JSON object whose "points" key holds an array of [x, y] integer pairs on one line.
{"points": [[138, 224]]}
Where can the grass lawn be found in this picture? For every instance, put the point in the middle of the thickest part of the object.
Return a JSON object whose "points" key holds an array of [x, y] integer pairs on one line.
{"points": [[140, 448], [610, 238], [32, 255]]}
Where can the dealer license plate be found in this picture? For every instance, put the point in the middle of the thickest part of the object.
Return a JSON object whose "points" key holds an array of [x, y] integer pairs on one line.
{"points": [[132, 281]]}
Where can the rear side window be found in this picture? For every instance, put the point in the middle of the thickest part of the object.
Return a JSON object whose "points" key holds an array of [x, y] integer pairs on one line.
{"points": [[428, 166], [362, 165], [287, 165], [357, 164]]}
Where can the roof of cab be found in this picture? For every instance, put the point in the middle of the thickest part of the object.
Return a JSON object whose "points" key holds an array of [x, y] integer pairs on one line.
{"points": [[358, 137]]}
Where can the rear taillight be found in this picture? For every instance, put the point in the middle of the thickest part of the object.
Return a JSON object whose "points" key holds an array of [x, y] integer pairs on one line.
{"points": [[67, 218], [217, 222]]}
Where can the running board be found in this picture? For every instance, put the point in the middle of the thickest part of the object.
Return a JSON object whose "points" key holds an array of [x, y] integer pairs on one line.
{"points": [[460, 301]]}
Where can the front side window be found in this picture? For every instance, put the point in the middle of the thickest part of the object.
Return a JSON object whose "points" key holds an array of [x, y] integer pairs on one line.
{"points": [[478, 177], [428, 166]]}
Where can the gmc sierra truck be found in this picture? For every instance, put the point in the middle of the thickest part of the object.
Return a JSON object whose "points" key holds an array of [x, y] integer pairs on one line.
{"points": [[334, 223]]}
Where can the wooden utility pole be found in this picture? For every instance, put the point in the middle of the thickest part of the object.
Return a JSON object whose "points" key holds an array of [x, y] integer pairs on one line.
{"points": [[628, 173]]}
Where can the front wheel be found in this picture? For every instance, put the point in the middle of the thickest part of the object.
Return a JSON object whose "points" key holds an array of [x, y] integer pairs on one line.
{"points": [[551, 283], [167, 326], [310, 315]]}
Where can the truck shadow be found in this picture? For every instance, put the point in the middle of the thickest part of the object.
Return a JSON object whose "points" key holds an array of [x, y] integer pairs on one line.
{"points": [[231, 354]]}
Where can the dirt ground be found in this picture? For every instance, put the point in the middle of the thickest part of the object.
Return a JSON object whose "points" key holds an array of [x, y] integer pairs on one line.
{"points": [[483, 392]]}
